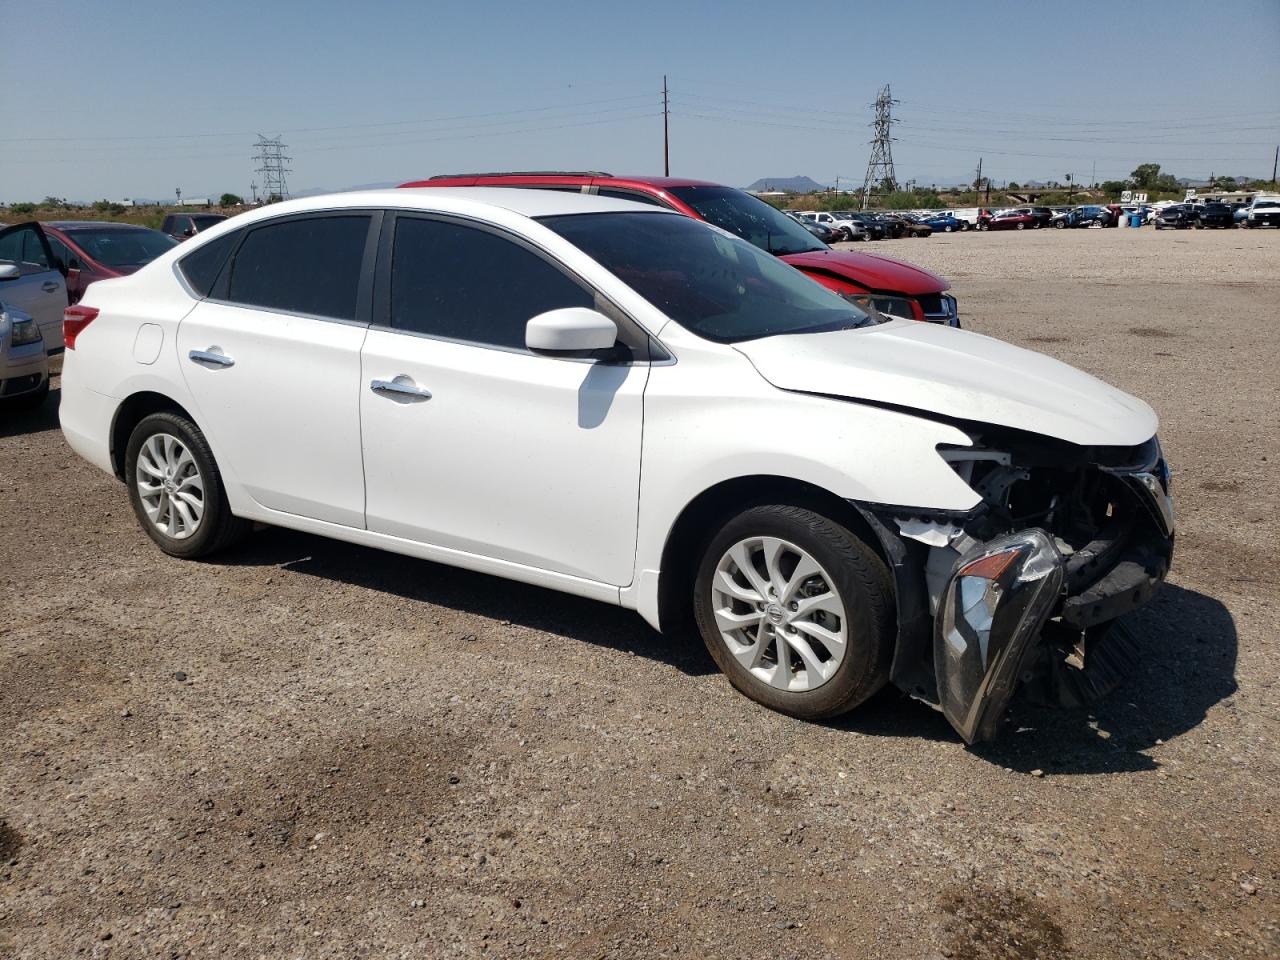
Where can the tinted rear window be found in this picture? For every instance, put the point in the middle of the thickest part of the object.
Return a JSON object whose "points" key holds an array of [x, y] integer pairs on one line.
{"points": [[311, 266], [202, 266]]}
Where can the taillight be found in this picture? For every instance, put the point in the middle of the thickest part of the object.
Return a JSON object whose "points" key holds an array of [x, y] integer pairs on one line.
{"points": [[75, 319]]}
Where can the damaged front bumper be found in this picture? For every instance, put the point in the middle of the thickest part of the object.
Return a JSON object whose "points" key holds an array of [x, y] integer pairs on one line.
{"points": [[982, 611]]}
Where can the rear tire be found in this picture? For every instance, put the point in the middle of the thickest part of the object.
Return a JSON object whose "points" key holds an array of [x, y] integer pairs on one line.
{"points": [[176, 490], [747, 616]]}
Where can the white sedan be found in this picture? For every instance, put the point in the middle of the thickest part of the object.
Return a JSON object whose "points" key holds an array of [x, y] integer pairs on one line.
{"points": [[615, 401]]}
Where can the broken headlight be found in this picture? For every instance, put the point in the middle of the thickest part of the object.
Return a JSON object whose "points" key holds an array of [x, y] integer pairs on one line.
{"points": [[993, 608]]}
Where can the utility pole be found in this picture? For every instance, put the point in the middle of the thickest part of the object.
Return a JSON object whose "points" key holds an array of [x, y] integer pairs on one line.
{"points": [[253, 189], [666, 138], [273, 167], [880, 164], [977, 184], [1093, 177], [1274, 164]]}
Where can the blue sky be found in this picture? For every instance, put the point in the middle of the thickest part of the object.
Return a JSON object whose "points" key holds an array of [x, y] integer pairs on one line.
{"points": [[119, 100]]}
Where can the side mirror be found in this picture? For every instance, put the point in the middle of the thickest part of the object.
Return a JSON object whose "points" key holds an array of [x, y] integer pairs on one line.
{"points": [[9, 271], [570, 331]]}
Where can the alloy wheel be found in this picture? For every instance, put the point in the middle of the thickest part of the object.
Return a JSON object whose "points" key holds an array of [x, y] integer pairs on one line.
{"points": [[779, 614], [170, 486]]}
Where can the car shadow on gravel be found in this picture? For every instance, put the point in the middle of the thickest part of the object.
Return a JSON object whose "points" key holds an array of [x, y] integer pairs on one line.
{"points": [[473, 593], [1186, 645], [14, 421]]}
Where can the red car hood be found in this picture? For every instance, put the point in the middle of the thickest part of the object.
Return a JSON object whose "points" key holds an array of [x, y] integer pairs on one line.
{"points": [[870, 271]]}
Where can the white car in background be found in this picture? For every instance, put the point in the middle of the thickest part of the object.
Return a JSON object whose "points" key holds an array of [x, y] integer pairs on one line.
{"points": [[616, 401]]}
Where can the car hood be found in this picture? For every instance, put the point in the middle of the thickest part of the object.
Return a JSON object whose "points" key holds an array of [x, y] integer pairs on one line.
{"points": [[954, 373], [868, 270]]}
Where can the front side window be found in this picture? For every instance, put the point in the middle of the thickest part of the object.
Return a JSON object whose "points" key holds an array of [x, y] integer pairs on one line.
{"points": [[462, 283], [708, 281], [311, 265], [22, 246]]}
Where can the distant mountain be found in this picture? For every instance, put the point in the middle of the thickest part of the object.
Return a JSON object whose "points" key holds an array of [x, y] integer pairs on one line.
{"points": [[787, 185]]}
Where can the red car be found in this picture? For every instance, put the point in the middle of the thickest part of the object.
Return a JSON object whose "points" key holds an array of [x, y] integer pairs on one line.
{"points": [[96, 249], [1009, 220], [889, 286]]}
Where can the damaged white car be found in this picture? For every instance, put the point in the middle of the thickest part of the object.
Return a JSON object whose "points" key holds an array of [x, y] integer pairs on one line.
{"points": [[619, 402]]}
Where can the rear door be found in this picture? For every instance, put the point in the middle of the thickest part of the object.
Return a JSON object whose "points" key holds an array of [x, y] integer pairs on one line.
{"points": [[272, 358], [38, 288]]}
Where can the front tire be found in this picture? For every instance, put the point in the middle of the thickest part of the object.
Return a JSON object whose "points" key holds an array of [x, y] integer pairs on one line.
{"points": [[176, 490], [796, 610]]}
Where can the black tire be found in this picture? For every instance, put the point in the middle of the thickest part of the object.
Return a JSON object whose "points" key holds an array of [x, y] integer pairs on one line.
{"points": [[862, 583], [218, 527], [1060, 224]]}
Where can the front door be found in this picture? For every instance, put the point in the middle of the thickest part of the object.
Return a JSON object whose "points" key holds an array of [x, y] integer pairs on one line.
{"points": [[495, 451], [35, 286], [272, 360]]}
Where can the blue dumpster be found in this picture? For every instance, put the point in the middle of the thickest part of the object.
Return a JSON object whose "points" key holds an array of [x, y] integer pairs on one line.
{"points": [[1135, 219]]}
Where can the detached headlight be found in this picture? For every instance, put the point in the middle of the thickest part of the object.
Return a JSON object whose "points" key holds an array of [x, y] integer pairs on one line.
{"points": [[900, 308]]}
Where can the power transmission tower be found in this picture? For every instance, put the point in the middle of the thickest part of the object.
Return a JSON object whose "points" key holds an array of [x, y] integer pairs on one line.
{"points": [[666, 141], [272, 165], [880, 167]]}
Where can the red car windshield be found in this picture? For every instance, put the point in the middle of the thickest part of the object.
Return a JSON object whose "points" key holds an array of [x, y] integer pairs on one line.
{"points": [[751, 219], [711, 284]]}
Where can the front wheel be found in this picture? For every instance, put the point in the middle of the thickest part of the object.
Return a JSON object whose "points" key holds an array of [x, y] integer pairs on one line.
{"points": [[1022, 226], [796, 610], [176, 490]]}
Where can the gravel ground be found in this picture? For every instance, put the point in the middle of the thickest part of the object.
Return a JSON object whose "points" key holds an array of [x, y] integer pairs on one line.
{"points": [[310, 750]]}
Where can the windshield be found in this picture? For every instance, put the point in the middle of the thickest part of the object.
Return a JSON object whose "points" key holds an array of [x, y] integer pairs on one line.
{"points": [[123, 248], [705, 280], [749, 218], [1265, 204]]}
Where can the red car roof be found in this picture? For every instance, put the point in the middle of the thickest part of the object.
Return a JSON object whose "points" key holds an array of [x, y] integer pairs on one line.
{"points": [[551, 177]]}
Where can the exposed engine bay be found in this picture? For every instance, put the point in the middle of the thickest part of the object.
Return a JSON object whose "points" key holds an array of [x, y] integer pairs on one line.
{"points": [[1024, 588]]}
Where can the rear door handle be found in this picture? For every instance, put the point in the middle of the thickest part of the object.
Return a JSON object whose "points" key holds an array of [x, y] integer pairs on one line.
{"points": [[50, 286], [401, 388], [208, 357]]}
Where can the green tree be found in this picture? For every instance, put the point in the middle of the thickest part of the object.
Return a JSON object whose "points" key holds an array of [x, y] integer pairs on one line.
{"points": [[51, 202], [1113, 188], [22, 209], [1013, 185], [230, 200], [1146, 176]]}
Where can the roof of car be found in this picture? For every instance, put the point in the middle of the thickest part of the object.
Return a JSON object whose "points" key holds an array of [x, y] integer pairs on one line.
{"points": [[528, 203], [551, 176]]}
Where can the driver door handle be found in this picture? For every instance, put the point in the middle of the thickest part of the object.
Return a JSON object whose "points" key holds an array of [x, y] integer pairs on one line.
{"points": [[50, 286], [398, 389], [215, 359]]}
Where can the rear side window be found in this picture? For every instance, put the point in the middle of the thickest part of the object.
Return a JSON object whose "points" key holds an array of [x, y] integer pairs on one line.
{"points": [[310, 265], [201, 267], [632, 195], [454, 281]]}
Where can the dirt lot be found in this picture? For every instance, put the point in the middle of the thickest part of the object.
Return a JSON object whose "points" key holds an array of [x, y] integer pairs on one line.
{"points": [[313, 750]]}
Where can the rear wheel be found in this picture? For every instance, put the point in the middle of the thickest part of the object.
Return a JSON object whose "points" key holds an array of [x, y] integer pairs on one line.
{"points": [[796, 610], [1022, 226], [176, 490]]}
